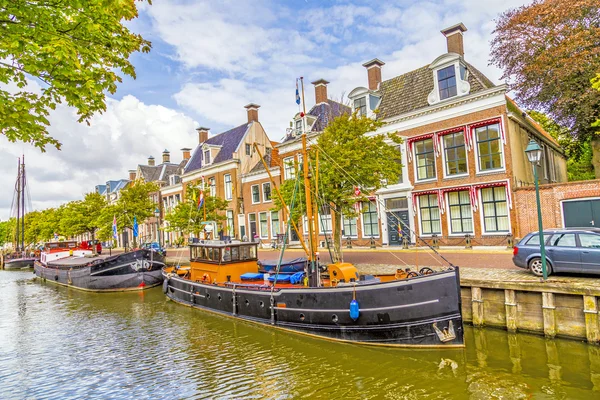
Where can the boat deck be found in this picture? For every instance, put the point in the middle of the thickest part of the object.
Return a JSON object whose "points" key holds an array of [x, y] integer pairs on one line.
{"points": [[76, 261]]}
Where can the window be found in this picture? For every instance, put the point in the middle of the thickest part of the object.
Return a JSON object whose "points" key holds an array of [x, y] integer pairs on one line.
{"points": [[289, 169], [228, 187], [206, 157], [266, 191], [177, 199], [350, 227], [590, 241], [564, 240], [361, 105], [535, 240], [488, 147], [299, 126], [425, 159], [212, 184], [275, 229], [495, 209], [370, 225], [248, 149], [455, 153], [255, 194], [459, 205], [230, 227], [447, 82], [430, 214], [263, 225]]}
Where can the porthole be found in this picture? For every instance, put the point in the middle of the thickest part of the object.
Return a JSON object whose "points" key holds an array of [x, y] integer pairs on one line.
{"points": [[301, 317], [247, 303], [219, 297], [261, 304], [334, 318], [207, 295]]}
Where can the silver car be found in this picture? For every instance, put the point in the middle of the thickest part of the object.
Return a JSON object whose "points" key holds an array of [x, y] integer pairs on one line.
{"points": [[567, 250]]}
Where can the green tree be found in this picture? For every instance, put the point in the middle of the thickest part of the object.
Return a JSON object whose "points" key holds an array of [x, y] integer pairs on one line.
{"points": [[75, 49], [49, 223], [578, 168], [83, 216], [187, 218], [7, 231], [549, 51], [348, 158]]}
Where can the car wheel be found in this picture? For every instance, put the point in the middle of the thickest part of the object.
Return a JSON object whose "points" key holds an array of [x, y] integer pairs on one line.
{"points": [[535, 266]]}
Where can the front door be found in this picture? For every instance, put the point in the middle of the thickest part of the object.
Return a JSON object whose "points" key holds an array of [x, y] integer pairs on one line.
{"points": [[252, 221], [397, 222], [242, 225], [564, 253]]}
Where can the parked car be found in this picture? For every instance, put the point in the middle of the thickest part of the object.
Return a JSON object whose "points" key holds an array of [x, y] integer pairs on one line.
{"points": [[567, 250], [154, 246]]}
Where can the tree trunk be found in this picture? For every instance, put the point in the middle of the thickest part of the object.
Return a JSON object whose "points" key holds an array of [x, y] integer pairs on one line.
{"points": [[596, 156]]}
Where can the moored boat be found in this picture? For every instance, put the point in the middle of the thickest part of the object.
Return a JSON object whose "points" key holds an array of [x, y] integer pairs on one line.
{"points": [[18, 261], [67, 264]]}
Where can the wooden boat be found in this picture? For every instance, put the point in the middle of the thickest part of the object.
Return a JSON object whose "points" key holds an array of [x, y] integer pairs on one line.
{"points": [[67, 264], [18, 261], [335, 302]]}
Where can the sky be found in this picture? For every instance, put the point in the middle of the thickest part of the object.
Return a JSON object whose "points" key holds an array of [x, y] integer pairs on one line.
{"points": [[210, 58]]}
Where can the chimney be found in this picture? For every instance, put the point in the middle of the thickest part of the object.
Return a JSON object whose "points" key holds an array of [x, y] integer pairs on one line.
{"points": [[202, 134], [454, 38], [320, 91], [374, 72], [132, 174], [186, 153], [166, 156], [151, 161], [252, 112]]}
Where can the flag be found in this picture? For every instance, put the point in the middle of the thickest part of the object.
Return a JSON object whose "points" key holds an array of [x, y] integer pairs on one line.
{"points": [[114, 226], [297, 93], [135, 227], [55, 236], [200, 200]]}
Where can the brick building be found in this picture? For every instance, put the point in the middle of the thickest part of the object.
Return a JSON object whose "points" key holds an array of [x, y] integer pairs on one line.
{"points": [[463, 152], [219, 162]]}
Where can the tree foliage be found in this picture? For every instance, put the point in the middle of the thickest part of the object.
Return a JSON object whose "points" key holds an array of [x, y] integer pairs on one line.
{"points": [[83, 216], [549, 51], [73, 48], [348, 158], [186, 217]]}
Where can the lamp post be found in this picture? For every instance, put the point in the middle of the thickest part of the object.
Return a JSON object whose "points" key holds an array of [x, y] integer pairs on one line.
{"points": [[534, 155], [157, 215]]}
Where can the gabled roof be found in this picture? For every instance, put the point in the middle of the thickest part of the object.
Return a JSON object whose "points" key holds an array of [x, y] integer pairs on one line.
{"points": [[324, 113], [161, 172], [408, 92], [115, 186], [101, 189], [229, 142]]}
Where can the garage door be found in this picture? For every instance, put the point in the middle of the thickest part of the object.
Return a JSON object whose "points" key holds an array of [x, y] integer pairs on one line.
{"points": [[581, 213]]}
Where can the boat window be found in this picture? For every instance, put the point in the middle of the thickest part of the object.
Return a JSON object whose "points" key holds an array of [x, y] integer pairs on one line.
{"points": [[235, 253], [227, 254]]}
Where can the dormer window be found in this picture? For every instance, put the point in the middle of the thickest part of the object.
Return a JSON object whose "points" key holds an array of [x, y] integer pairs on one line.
{"points": [[360, 106], [447, 82], [206, 157], [299, 125]]}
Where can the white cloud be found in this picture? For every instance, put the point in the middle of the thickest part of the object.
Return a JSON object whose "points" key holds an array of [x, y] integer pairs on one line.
{"points": [[118, 140]]}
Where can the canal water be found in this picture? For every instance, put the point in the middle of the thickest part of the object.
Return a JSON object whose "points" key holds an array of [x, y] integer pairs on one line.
{"points": [[59, 343]]}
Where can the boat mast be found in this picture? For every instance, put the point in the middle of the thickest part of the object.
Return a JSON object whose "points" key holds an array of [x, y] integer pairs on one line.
{"points": [[23, 204], [313, 278], [18, 233]]}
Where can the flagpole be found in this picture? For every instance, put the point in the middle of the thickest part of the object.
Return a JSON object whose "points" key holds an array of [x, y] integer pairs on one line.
{"points": [[303, 106]]}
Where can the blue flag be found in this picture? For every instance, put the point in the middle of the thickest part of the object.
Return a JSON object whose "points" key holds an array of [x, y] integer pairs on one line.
{"points": [[114, 226], [297, 93], [135, 227]]}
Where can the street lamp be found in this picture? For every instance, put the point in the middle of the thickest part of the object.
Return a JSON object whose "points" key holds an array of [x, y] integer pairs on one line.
{"points": [[157, 215], [534, 155]]}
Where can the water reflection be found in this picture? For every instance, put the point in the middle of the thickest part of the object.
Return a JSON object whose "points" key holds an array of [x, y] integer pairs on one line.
{"points": [[62, 343]]}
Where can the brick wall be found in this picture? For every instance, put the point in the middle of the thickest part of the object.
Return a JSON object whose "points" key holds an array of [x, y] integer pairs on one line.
{"points": [[550, 199]]}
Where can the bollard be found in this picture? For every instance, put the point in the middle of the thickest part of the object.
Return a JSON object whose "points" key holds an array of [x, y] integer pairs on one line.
{"points": [[372, 242], [468, 244], [510, 241], [435, 242], [348, 242], [405, 242]]}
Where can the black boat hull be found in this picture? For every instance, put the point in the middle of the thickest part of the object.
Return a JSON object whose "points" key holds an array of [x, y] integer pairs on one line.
{"points": [[402, 313], [19, 263], [135, 270]]}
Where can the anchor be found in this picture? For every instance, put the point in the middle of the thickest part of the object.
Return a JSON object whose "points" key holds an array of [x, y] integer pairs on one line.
{"points": [[446, 334]]}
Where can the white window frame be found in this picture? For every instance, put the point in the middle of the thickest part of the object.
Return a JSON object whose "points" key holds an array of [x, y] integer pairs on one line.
{"points": [[415, 166], [362, 221], [264, 197], [355, 225], [205, 158], [482, 216], [261, 234], [212, 186], [252, 194], [289, 168], [419, 220], [230, 227], [227, 185], [448, 219], [475, 145], [366, 105], [273, 234], [443, 149]]}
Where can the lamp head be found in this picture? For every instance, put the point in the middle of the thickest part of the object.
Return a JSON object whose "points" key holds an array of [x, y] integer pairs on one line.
{"points": [[533, 151]]}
